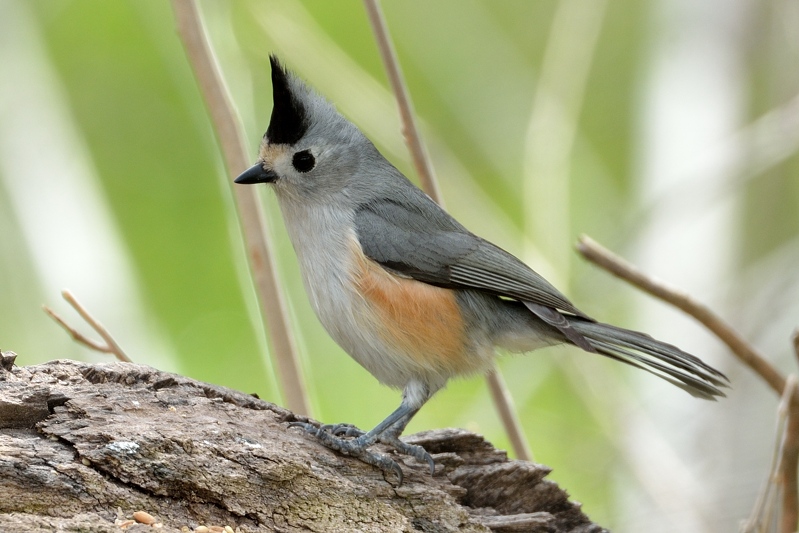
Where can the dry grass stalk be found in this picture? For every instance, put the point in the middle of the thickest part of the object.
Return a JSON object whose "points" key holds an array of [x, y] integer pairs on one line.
{"points": [[273, 307], [108, 346]]}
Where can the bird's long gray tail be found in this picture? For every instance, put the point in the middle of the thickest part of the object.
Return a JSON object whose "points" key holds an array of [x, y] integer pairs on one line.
{"points": [[663, 360]]}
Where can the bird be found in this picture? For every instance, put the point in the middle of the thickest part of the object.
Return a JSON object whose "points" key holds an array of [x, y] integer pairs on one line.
{"points": [[405, 289]]}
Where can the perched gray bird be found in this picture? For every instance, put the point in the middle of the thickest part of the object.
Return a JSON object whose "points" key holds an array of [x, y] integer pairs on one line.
{"points": [[405, 289]]}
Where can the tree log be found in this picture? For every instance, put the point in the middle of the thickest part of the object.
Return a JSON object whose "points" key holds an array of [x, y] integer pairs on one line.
{"points": [[84, 446]]}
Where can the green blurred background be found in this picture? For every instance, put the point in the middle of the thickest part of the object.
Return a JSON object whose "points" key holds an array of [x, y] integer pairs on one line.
{"points": [[666, 130]]}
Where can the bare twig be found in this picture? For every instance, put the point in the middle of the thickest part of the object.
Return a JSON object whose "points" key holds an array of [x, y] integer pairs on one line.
{"points": [[503, 402], [110, 346], [409, 129], [424, 168], [231, 139], [795, 339], [787, 458], [790, 452], [76, 335], [763, 512], [617, 266]]}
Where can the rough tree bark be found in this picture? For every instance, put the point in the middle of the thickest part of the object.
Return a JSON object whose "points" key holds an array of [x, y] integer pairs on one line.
{"points": [[84, 446]]}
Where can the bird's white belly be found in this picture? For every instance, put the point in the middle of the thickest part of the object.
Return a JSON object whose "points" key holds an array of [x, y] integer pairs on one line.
{"points": [[398, 329]]}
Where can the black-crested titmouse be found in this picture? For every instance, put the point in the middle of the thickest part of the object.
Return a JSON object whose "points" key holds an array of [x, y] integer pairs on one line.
{"points": [[405, 289]]}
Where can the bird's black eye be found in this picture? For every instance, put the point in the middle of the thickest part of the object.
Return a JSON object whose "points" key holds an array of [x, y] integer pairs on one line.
{"points": [[303, 161]]}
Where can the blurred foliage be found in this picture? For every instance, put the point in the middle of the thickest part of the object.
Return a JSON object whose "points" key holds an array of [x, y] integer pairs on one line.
{"points": [[128, 97]]}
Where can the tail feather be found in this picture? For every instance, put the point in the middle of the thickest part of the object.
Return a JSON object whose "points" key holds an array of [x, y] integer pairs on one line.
{"points": [[659, 358]]}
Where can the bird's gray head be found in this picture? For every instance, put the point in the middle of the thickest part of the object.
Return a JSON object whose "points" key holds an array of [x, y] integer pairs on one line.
{"points": [[309, 150]]}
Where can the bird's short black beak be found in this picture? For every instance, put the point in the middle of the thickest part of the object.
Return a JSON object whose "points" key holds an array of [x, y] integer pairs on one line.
{"points": [[256, 174]]}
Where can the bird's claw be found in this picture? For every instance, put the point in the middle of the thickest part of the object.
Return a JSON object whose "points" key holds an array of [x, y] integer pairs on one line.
{"points": [[417, 452], [356, 448], [362, 453], [343, 430], [330, 435]]}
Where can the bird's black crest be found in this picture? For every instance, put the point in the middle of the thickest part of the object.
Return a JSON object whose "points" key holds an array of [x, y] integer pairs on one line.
{"points": [[289, 119]]}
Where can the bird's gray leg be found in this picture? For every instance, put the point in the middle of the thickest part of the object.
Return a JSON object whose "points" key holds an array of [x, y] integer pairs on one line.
{"points": [[349, 430], [387, 432], [358, 447], [391, 437]]}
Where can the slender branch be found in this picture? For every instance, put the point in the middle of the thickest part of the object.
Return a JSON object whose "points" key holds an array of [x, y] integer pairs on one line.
{"points": [[75, 334], [424, 168], [228, 130], [762, 515], [110, 346], [790, 452], [795, 339], [413, 139], [789, 458], [787, 461], [503, 401], [617, 266]]}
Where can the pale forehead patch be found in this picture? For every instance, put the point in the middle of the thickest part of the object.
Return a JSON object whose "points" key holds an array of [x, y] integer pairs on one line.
{"points": [[268, 153]]}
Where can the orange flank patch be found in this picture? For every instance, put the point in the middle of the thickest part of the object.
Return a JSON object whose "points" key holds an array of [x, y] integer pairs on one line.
{"points": [[420, 320]]}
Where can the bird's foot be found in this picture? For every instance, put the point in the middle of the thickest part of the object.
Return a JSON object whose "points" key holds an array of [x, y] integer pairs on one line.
{"points": [[358, 447], [331, 435], [417, 452], [343, 430]]}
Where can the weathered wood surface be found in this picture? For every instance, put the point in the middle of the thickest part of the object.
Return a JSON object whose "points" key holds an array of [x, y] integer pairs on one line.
{"points": [[83, 446]]}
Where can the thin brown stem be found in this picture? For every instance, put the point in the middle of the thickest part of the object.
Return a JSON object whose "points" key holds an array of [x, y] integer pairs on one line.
{"points": [[617, 266], [503, 402], [413, 139], [763, 513], [75, 334], [789, 459], [110, 346], [228, 129], [424, 168], [790, 454], [795, 340]]}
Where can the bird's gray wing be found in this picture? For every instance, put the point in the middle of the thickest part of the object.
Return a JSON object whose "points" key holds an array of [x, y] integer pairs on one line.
{"points": [[419, 239]]}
